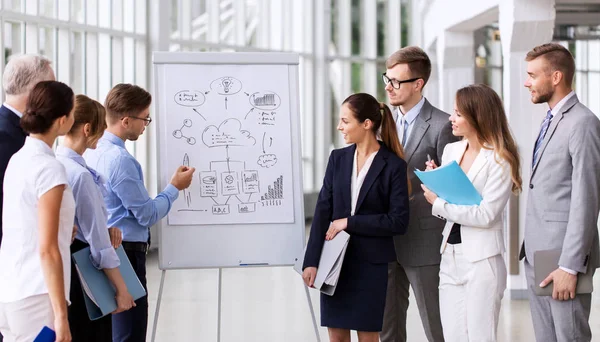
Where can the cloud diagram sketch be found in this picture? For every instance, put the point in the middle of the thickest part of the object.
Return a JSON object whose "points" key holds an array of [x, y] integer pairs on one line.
{"points": [[235, 130]]}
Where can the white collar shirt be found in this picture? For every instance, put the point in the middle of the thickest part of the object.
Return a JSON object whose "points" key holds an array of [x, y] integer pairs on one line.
{"points": [[31, 173]]}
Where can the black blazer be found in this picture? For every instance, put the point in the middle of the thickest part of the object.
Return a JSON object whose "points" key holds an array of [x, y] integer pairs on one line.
{"points": [[12, 138], [381, 209]]}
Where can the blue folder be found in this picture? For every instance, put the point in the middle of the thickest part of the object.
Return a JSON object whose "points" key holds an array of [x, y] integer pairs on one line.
{"points": [[46, 335], [450, 183], [98, 292]]}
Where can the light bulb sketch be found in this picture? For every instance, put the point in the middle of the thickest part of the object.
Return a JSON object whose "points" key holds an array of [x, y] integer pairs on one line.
{"points": [[226, 85], [226, 82]]}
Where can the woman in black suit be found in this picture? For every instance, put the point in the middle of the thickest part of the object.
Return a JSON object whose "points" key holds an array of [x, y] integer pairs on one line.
{"points": [[365, 193]]}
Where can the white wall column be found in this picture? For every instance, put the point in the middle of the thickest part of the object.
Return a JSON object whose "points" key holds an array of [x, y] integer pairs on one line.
{"points": [[415, 34], [524, 24], [456, 65], [393, 28], [369, 46], [322, 88], [432, 88]]}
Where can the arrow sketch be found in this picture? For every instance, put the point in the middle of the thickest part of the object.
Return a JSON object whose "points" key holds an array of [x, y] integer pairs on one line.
{"points": [[202, 116], [227, 151], [250, 111]]}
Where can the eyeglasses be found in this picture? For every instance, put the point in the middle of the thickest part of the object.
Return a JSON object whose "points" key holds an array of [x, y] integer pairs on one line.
{"points": [[395, 83], [147, 120]]}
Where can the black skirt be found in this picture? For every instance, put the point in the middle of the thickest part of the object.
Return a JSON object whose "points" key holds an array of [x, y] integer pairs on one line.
{"points": [[359, 298]]}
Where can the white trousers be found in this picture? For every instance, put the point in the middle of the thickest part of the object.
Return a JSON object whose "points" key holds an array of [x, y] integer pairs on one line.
{"points": [[22, 321], [470, 295]]}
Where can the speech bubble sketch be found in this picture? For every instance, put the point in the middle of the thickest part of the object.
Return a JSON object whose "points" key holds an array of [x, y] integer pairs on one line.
{"points": [[229, 133], [190, 98], [226, 85], [266, 100], [267, 160]]}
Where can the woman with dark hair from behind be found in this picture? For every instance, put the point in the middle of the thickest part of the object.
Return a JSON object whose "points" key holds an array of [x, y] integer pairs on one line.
{"points": [[90, 218], [35, 261], [472, 271], [365, 192]]}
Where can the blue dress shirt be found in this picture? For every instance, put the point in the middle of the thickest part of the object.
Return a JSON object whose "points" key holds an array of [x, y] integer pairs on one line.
{"points": [[409, 117], [90, 213], [129, 205]]}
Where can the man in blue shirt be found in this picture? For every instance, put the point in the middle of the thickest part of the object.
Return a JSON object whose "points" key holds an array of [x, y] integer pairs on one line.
{"points": [[127, 201]]}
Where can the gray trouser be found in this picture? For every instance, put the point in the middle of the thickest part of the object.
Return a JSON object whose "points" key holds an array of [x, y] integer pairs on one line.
{"points": [[424, 281], [555, 320]]}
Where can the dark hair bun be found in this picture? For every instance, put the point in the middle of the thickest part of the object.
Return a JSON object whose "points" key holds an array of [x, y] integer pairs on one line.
{"points": [[48, 101]]}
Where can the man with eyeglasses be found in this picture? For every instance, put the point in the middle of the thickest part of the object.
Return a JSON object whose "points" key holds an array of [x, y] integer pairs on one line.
{"points": [[129, 206], [423, 131]]}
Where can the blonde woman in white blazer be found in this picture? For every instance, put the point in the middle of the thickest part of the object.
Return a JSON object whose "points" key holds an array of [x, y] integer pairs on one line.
{"points": [[472, 270]]}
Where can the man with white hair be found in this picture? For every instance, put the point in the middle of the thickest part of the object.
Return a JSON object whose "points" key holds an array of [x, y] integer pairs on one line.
{"points": [[21, 74]]}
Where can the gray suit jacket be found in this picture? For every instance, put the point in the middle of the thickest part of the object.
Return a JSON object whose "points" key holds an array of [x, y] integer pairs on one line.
{"points": [[564, 190], [420, 246]]}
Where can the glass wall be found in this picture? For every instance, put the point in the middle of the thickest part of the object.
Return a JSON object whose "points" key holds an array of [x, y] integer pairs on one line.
{"points": [[342, 44], [488, 57], [93, 44], [587, 76]]}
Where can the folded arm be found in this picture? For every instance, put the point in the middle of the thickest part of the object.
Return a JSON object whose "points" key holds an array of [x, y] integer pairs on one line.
{"points": [[395, 221]]}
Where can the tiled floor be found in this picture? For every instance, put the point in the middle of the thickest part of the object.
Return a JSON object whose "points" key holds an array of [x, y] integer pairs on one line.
{"points": [[269, 304]]}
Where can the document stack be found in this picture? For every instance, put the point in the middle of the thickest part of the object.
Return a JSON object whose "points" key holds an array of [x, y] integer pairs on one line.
{"points": [[330, 265], [98, 292]]}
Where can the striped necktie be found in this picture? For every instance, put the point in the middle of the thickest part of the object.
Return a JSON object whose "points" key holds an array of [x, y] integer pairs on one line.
{"points": [[538, 142]]}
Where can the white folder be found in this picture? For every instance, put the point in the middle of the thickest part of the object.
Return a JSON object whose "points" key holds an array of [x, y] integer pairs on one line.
{"points": [[330, 264]]}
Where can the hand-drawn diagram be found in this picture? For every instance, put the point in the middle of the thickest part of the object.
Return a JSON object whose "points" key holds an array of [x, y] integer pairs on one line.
{"points": [[266, 100], [274, 194], [230, 179], [226, 85], [229, 133], [178, 133], [190, 98], [244, 162], [267, 160]]}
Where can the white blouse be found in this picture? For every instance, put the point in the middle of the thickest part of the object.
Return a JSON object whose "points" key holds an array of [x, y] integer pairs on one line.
{"points": [[358, 179], [31, 172]]}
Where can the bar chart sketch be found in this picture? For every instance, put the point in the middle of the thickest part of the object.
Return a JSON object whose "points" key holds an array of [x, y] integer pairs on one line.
{"points": [[266, 100]]}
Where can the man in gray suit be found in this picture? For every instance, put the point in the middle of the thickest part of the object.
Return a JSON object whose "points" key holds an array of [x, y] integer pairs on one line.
{"points": [[424, 131], [564, 196]]}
